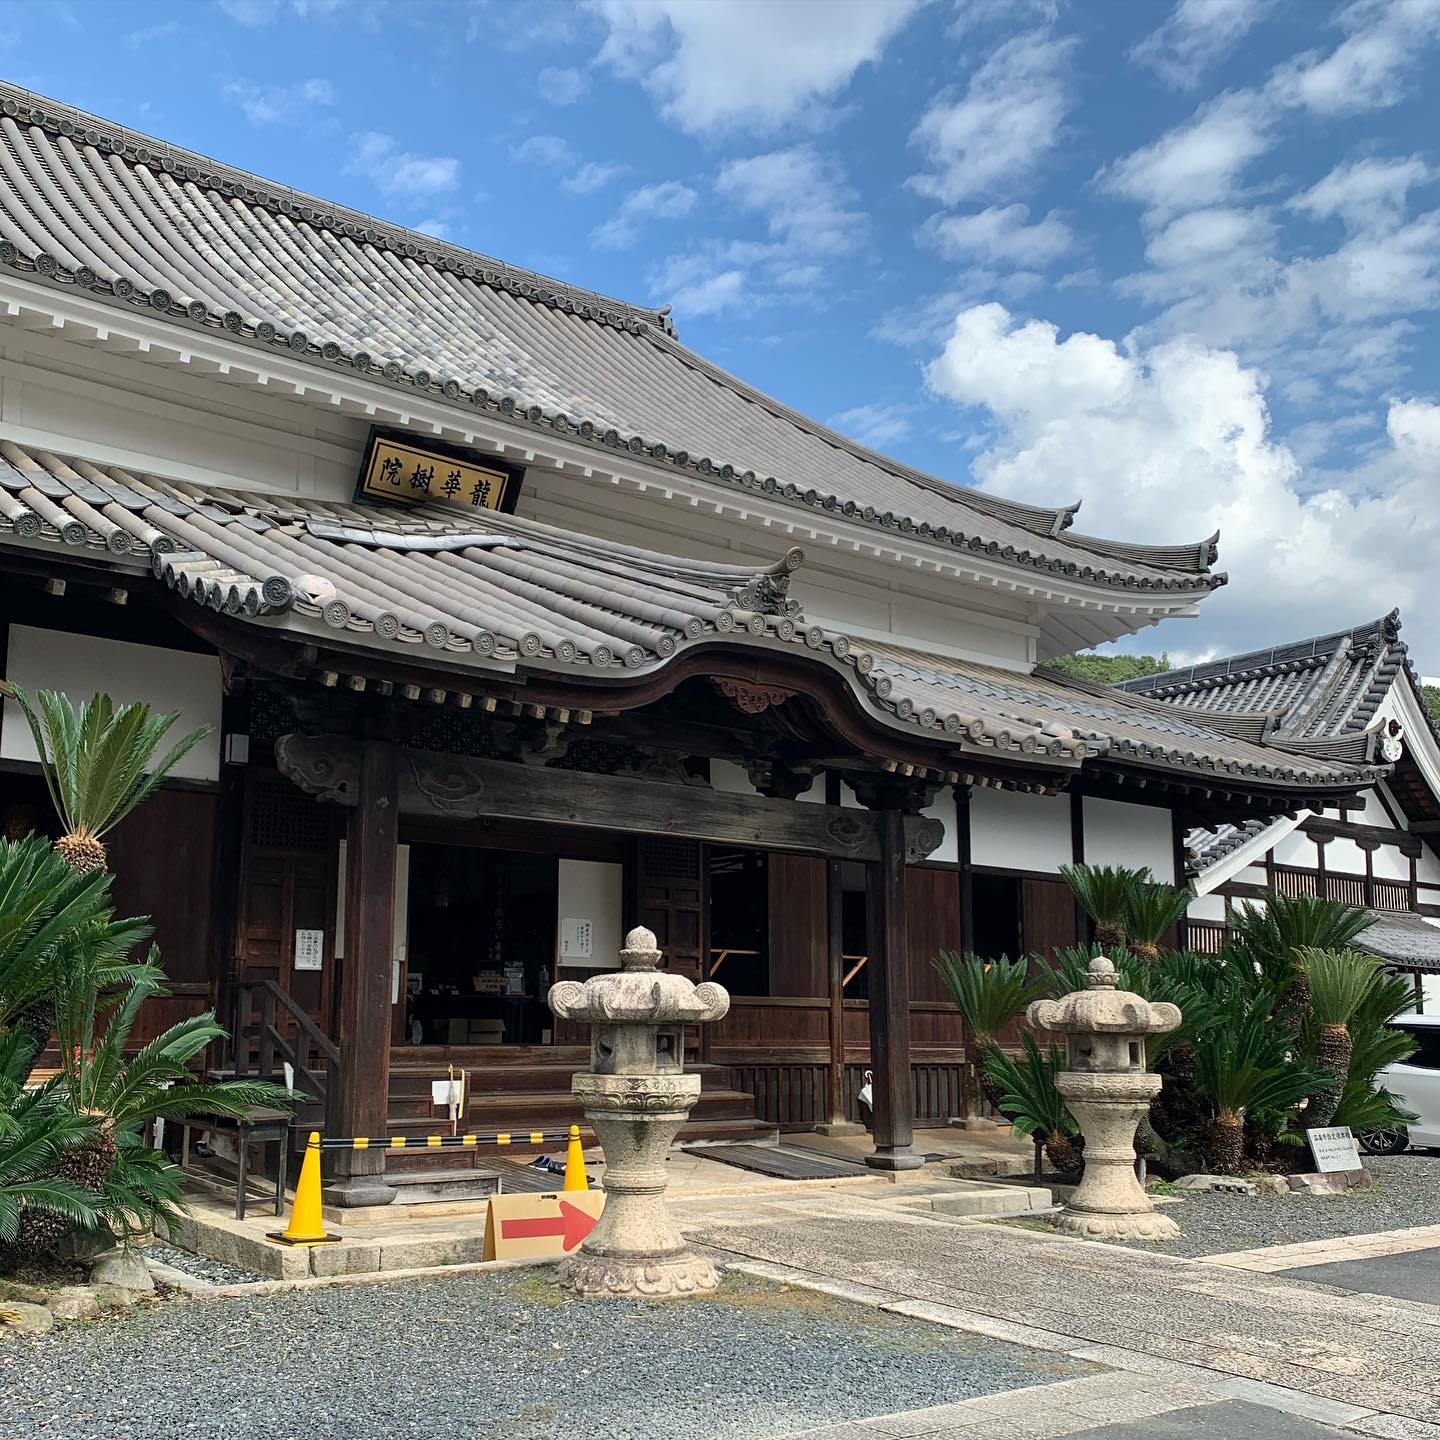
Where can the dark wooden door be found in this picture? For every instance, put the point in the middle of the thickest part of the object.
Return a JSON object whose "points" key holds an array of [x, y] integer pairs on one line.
{"points": [[287, 883], [1048, 915], [668, 895]]}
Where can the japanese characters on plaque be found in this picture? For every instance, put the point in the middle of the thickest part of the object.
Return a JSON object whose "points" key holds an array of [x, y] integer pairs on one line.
{"points": [[400, 470]]}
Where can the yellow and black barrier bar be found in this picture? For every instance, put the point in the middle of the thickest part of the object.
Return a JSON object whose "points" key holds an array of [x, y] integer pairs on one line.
{"points": [[445, 1142]]}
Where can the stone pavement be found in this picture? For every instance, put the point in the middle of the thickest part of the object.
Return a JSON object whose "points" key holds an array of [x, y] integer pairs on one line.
{"points": [[1365, 1362]]}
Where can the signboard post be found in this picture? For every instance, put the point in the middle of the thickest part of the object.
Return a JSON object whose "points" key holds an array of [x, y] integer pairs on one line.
{"points": [[1334, 1149]]}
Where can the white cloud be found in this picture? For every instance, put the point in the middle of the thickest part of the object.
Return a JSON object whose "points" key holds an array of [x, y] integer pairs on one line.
{"points": [[1369, 70], [666, 200], [1196, 34], [593, 175], [1000, 235], [256, 14], [700, 284], [805, 202], [279, 104], [728, 65], [1199, 162], [561, 86], [582, 177], [401, 174], [1172, 442], [1008, 119], [1365, 194], [875, 425], [550, 150], [435, 226]]}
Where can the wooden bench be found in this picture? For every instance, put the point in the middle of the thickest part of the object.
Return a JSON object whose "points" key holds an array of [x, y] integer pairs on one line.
{"points": [[258, 1126]]}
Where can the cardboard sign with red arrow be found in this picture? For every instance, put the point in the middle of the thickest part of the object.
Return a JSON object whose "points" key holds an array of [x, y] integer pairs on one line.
{"points": [[525, 1226]]}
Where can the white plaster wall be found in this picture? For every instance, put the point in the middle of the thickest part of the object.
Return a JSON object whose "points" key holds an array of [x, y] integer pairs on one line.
{"points": [[1207, 907], [1297, 848], [1428, 866], [1252, 875], [943, 810], [1374, 812], [1013, 831], [1132, 835], [1390, 864], [82, 665], [730, 779], [1343, 857], [592, 890]]}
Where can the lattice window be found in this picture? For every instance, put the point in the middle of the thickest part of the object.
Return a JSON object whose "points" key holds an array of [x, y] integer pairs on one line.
{"points": [[455, 732], [670, 859], [599, 757], [283, 817], [1348, 889], [1289, 881], [271, 714]]}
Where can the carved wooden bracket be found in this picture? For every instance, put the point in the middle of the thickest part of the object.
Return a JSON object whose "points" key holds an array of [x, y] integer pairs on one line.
{"points": [[751, 699]]}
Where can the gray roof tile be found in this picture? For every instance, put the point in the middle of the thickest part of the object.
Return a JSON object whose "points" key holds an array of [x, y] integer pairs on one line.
{"points": [[85, 203]]}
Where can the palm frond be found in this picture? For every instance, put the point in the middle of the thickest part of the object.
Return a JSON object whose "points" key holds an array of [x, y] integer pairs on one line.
{"points": [[1339, 982], [1028, 1097], [100, 760], [1269, 935], [1103, 892], [991, 994], [1152, 908]]}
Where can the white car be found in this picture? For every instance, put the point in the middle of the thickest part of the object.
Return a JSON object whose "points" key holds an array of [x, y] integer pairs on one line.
{"points": [[1415, 1084]]}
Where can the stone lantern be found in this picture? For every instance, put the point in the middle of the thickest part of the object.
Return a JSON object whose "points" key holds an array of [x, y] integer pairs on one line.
{"points": [[636, 1096], [1108, 1089]]}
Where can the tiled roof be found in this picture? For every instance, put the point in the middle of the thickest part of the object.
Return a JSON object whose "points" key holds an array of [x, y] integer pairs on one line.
{"points": [[1317, 694], [1321, 688], [473, 591], [1406, 940], [88, 205]]}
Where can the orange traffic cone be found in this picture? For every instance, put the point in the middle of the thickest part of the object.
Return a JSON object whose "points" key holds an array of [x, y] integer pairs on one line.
{"points": [[307, 1225], [575, 1176]]}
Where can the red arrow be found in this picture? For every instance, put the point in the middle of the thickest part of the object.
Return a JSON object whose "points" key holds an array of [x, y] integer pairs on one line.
{"points": [[572, 1223]]}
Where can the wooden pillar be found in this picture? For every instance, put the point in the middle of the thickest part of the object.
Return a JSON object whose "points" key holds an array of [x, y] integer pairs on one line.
{"points": [[836, 1121], [889, 969], [967, 868], [360, 1102]]}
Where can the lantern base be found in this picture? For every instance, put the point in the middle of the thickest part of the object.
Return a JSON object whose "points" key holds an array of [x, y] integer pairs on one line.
{"points": [[647, 1277], [1089, 1225]]}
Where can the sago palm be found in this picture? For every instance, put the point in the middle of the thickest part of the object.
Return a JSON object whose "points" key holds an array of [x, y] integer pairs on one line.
{"points": [[37, 1130], [119, 1094], [1032, 1104], [99, 763], [1339, 982], [1103, 892], [1269, 936], [1152, 908], [1243, 1062], [991, 995]]}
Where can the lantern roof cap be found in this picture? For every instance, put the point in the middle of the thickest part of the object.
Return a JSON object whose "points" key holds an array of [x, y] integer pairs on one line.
{"points": [[639, 993], [1103, 1008]]}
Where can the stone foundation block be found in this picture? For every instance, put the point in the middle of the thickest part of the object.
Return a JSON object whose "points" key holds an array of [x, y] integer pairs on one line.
{"points": [[1336, 1182]]}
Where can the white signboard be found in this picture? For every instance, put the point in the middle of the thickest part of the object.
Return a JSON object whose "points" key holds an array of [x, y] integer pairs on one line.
{"points": [[575, 939], [1334, 1149], [309, 949]]}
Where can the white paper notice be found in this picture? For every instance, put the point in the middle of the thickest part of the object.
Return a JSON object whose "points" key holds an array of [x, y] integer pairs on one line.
{"points": [[445, 1092]]}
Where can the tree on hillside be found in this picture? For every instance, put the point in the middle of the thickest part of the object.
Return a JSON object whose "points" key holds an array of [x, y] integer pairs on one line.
{"points": [[1108, 669], [1432, 701]]}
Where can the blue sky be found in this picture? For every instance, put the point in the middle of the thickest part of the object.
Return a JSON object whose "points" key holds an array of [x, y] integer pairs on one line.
{"points": [[1179, 260]]}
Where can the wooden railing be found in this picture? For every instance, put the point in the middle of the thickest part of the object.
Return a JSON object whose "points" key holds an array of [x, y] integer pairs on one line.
{"points": [[268, 1030], [795, 1096], [1206, 936]]}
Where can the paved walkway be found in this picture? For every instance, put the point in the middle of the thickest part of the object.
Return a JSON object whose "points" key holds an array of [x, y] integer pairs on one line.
{"points": [[1203, 1334]]}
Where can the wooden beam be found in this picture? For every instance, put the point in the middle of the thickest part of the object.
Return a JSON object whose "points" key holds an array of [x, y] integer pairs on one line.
{"points": [[361, 1103], [889, 974], [1321, 828], [835, 946], [457, 787]]}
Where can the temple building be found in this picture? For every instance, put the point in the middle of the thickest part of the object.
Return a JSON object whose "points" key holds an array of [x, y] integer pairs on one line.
{"points": [[518, 623], [1376, 850]]}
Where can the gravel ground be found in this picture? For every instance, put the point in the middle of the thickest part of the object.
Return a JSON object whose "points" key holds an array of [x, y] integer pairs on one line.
{"points": [[1406, 1192], [213, 1272], [480, 1355]]}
